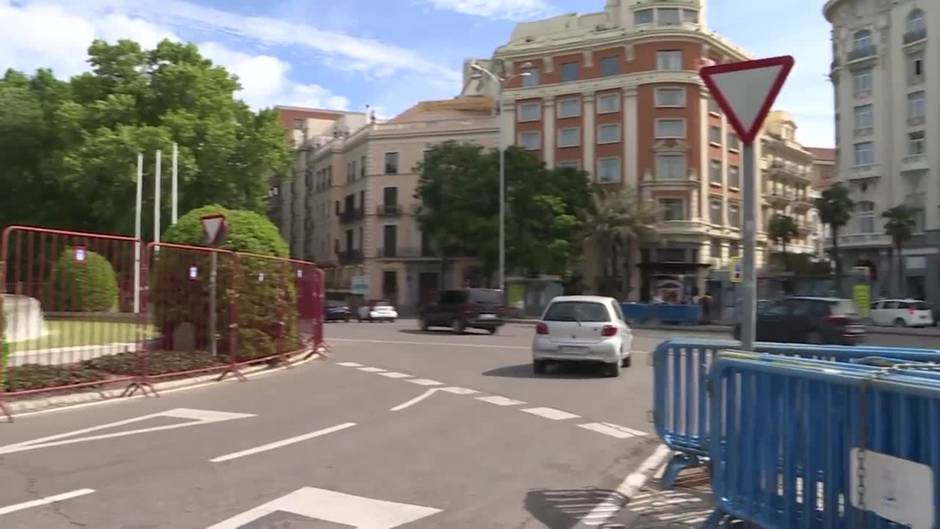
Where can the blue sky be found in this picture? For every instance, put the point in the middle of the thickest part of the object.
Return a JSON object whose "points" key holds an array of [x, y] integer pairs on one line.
{"points": [[383, 53]]}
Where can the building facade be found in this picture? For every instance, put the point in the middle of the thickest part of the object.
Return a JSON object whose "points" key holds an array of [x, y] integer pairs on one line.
{"points": [[353, 201], [887, 90]]}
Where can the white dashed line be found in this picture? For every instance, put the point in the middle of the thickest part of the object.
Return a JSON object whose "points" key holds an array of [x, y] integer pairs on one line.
{"points": [[460, 391], [44, 501], [425, 382], [349, 364], [393, 374], [551, 413], [283, 443], [372, 369], [613, 430], [500, 401]]}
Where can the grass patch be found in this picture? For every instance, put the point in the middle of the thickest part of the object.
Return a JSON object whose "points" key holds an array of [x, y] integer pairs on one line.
{"points": [[71, 333]]}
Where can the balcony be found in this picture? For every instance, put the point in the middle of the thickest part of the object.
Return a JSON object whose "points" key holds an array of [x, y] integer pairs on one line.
{"points": [[861, 54], [404, 253], [656, 181], [913, 163], [350, 257], [682, 226], [351, 215], [784, 172], [802, 203], [864, 172], [779, 199], [912, 37], [389, 210], [862, 239]]}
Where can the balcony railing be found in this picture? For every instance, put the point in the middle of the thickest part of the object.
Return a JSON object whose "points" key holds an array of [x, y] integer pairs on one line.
{"points": [[407, 252], [388, 210], [350, 257], [351, 215], [915, 36], [861, 53]]}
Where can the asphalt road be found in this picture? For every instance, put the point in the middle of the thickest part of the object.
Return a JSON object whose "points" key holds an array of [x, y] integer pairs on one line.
{"points": [[424, 430]]}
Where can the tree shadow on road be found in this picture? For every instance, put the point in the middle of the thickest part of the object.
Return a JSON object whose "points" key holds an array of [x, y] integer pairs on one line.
{"points": [[574, 370], [568, 508], [441, 332]]}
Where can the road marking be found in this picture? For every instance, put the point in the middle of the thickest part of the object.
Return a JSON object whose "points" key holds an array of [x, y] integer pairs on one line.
{"points": [[627, 489], [393, 374], [282, 443], [372, 369], [613, 430], [44, 501], [425, 382], [416, 400], [193, 417], [435, 344], [336, 507], [500, 401], [349, 364], [551, 413], [460, 391]]}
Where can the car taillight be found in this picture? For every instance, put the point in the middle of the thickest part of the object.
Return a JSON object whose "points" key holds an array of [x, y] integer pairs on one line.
{"points": [[838, 320], [609, 330], [911, 311], [500, 310], [541, 329], [467, 308]]}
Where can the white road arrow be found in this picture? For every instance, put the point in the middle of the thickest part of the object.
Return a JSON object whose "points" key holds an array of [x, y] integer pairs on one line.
{"points": [[336, 507]]}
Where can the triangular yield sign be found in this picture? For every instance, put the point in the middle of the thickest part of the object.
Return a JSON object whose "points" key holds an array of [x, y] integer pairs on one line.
{"points": [[746, 91], [211, 226]]}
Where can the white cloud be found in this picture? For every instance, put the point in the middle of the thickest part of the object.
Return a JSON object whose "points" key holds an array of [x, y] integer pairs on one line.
{"points": [[506, 9], [48, 36]]}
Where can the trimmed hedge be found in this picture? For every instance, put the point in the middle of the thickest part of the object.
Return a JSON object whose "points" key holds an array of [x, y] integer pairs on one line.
{"points": [[81, 286], [265, 290]]}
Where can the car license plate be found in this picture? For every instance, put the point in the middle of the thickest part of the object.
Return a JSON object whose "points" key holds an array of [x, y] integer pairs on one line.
{"points": [[572, 349], [854, 329], [487, 316]]}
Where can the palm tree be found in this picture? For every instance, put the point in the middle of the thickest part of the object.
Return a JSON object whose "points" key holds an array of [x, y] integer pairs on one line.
{"points": [[900, 227], [782, 230], [835, 209], [615, 222]]}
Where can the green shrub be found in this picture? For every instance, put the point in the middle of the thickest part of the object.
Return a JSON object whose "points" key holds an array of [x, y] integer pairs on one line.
{"points": [[158, 362], [264, 288], [33, 376], [81, 286]]}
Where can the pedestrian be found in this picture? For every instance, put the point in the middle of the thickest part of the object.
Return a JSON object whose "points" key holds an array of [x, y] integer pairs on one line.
{"points": [[706, 303]]}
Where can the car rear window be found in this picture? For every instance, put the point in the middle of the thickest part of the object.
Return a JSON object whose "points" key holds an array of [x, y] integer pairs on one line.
{"points": [[583, 311], [493, 297], [903, 305], [382, 304], [920, 305], [453, 296]]}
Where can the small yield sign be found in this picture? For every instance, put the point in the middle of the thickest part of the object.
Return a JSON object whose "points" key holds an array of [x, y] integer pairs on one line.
{"points": [[746, 91]]}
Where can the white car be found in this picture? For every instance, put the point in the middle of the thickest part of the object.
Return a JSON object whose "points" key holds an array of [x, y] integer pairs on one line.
{"points": [[378, 310], [902, 313], [582, 329]]}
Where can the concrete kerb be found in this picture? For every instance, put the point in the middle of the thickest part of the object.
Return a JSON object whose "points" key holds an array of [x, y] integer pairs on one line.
{"points": [[18, 407]]}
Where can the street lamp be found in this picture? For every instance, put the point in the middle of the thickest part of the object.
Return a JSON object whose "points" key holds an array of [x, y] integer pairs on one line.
{"points": [[500, 85]]}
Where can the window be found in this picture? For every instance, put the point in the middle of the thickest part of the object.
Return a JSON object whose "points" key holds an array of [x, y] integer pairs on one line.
{"points": [[530, 111], [915, 143], [864, 153], [577, 311], [300, 124], [916, 106], [390, 196], [713, 107], [530, 77], [916, 23], [569, 72], [355, 172], [690, 16], [670, 128], [670, 167], [715, 211], [569, 108], [714, 134], [734, 249], [568, 164], [670, 97], [865, 211], [610, 66], [645, 16], [672, 209], [861, 40], [861, 83], [608, 170], [669, 60], [391, 163], [608, 103], [863, 119], [714, 172], [915, 68], [530, 140], [734, 215], [569, 137], [716, 248], [734, 143], [609, 133], [362, 167], [669, 17], [734, 176]]}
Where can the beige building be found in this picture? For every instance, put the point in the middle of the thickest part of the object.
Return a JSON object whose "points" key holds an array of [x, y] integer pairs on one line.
{"points": [[353, 200]]}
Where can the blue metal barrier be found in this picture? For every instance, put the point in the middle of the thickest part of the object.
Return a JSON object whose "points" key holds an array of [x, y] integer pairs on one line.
{"points": [[806, 444], [637, 312], [680, 399], [677, 314]]}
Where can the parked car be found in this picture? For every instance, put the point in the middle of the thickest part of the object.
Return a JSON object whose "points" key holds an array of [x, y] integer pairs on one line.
{"points": [[582, 329], [809, 320], [378, 310], [337, 311], [902, 313], [469, 308]]}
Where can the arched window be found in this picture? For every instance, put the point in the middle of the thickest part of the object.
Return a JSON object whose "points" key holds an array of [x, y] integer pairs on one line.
{"points": [[861, 40], [865, 212], [916, 22]]}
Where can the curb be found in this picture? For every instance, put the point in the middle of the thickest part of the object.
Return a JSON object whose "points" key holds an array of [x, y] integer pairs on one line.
{"points": [[18, 407]]}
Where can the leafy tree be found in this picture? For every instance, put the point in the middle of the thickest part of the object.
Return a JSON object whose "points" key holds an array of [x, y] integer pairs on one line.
{"points": [[835, 209], [70, 147], [87, 286], [900, 227], [782, 230], [614, 223]]}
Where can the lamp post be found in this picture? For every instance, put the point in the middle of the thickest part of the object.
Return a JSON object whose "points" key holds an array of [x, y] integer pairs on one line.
{"points": [[500, 85]]}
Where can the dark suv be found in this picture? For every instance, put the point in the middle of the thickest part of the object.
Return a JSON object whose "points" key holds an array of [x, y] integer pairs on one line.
{"points": [[470, 308], [809, 320]]}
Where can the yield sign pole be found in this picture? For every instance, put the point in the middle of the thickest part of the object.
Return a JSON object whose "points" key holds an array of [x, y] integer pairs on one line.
{"points": [[746, 91]]}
